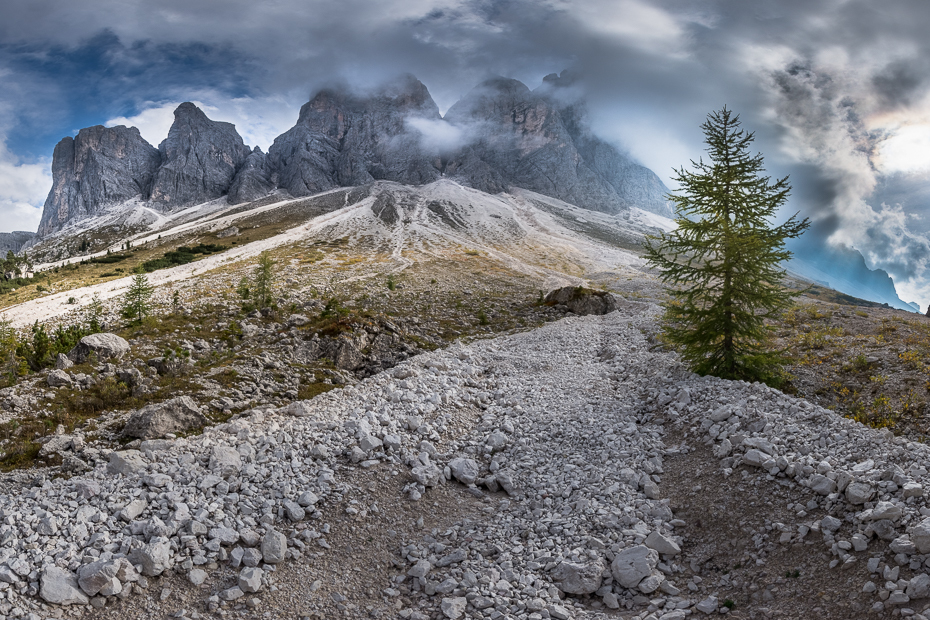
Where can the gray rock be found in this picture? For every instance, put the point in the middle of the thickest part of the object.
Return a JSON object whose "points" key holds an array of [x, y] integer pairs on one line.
{"points": [[158, 419], [708, 606], [579, 578], [633, 564], [294, 511], [232, 594], [225, 461], [919, 586], [464, 470], [368, 443], [47, 526], [903, 544], [455, 557], [274, 547], [427, 475], [307, 498], [133, 509], [830, 524], [558, 612], [420, 569], [858, 493], [95, 576], [822, 485], [200, 158], [154, 557], [226, 536], [101, 166], [662, 543], [453, 608], [651, 583], [103, 346], [497, 441], [59, 378], [62, 362], [126, 462], [60, 587], [756, 458], [232, 231], [920, 535], [583, 301], [882, 511], [252, 181], [197, 576], [251, 557], [250, 579]]}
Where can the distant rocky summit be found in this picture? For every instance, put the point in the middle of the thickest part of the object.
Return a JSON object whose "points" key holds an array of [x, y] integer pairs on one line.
{"points": [[14, 241], [99, 167], [199, 159], [506, 136]]}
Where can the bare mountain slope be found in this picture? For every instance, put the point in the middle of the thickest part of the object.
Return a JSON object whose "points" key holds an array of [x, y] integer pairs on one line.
{"points": [[525, 232]]}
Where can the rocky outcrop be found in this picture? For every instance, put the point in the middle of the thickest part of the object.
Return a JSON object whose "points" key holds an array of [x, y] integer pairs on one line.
{"points": [[200, 159], [100, 166], [14, 241], [541, 140], [252, 181], [582, 301], [506, 136], [103, 346], [346, 139], [158, 419]]}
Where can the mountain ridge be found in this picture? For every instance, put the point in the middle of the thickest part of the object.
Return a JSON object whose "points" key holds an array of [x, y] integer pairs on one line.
{"points": [[511, 137]]}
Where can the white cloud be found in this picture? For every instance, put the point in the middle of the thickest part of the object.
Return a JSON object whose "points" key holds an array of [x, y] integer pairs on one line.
{"points": [[638, 24], [259, 120], [907, 150], [153, 122], [23, 188], [436, 134]]}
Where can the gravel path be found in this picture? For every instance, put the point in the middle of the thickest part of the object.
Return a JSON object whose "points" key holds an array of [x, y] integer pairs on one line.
{"points": [[566, 472]]}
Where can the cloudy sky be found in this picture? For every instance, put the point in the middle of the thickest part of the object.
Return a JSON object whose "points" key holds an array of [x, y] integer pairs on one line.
{"points": [[838, 91]]}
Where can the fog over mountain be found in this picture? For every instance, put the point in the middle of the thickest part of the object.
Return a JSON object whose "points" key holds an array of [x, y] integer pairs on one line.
{"points": [[837, 92], [507, 137]]}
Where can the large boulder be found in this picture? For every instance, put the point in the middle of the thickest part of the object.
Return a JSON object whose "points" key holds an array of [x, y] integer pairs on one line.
{"points": [[582, 301], [579, 578], [60, 587], [157, 420], [104, 346], [632, 565]]}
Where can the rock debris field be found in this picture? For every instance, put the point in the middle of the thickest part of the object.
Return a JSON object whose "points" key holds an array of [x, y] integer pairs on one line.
{"points": [[573, 471]]}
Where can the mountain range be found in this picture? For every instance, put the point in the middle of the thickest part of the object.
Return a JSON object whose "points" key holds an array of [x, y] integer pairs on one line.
{"points": [[500, 135]]}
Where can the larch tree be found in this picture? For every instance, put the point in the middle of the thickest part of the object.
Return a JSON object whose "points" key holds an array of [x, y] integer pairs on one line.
{"points": [[723, 261]]}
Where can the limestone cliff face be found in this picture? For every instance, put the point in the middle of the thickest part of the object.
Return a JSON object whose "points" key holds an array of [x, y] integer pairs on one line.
{"points": [[199, 159], [346, 139], [14, 241], [507, 136], [252, 181], [541, 140], [100, 166]]}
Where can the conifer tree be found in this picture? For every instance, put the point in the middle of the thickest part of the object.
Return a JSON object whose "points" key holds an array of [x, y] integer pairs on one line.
{"points": [[723, 261], [137, 300], [263, 280]]}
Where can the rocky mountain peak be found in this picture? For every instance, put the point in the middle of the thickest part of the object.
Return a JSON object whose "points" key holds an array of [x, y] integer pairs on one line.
{"points": [[200, 158], [100, 166], [511, 136], [494, 99]]}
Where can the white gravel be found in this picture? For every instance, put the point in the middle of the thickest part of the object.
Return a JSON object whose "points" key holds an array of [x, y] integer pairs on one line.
{"points": [[565, 423]]}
